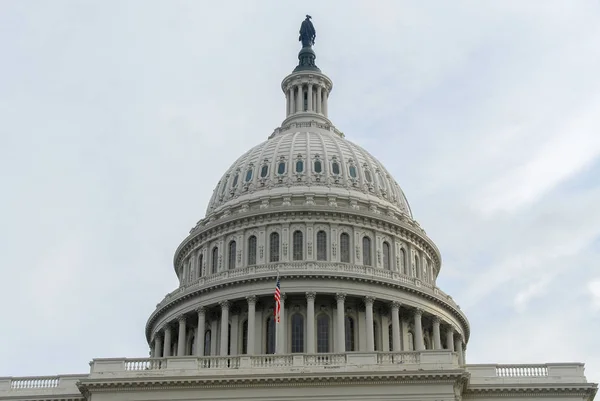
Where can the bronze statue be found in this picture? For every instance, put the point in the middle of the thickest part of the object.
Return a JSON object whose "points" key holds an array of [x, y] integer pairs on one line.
{"points": [[307, 32]]}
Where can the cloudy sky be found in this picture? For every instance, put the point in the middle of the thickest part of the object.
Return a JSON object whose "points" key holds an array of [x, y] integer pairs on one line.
{"points": [[117, 118]]}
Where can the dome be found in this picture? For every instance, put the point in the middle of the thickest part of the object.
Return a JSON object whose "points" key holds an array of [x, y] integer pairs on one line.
{"points": [[310, 160]]}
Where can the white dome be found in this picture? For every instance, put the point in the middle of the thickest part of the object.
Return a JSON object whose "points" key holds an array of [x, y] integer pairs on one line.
{"points": [[308, 161]]}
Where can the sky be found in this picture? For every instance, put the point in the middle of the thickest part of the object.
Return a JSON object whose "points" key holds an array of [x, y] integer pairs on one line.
{"points": [[117, 119]]}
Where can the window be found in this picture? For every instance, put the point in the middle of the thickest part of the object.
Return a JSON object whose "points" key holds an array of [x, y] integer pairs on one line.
{"points": [[411, 342], [386, 255], [229, 339], [415, 267], [231, 259], [321, 245], [248, 175], [245, 337], [215, 260], [299, 166], [235, 180], [323, 333], [349, 329], [425, 268], [391, 338], [270, 346], [200, 262], [352, 170], [318, 167], [366, 243], [264, 171], [281, 168], [368, 176], [345, 248], [224, 187], [375, 336], [297, 243], [207, 343], [252, 250], [403, 268], [335, 168], [297, 333], [274, 247]]}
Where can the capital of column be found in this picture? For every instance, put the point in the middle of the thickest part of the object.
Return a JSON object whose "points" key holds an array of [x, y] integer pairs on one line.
{"points": [[310, 296], [201, 310], [225, 304], [451, 329], [436, 320], [340, 297], [369, 301], [251, 299], [181, 319], [396, 306], [418, 312]]}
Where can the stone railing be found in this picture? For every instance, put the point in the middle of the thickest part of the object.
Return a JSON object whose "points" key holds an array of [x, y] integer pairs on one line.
{"points": [[316, 268], [196, 365], [557, 372], [48, 384]]}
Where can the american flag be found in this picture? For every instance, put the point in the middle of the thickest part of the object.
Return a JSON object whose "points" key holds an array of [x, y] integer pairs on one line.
{"points": [[277, 300]]}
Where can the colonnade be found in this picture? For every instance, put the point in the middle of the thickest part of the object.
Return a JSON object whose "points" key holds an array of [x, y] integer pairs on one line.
{"points": [[323, 330], [309, 97]]}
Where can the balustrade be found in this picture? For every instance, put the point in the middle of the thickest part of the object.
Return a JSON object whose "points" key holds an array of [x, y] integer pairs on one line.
{"points": [[34, 383], [391, 358], [144, 364], [521, 370]]}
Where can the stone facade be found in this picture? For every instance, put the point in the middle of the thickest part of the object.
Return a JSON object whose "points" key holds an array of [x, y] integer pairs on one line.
{"points": [[361, 315]]}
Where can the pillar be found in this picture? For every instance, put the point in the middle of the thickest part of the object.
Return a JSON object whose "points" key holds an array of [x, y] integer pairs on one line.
{"points": [[458, 346], [287, 103], [181, 338], [310, 322], [404, 323], [224, 327], [319, 94], [309, 98], [201, 331], [340, 329], [396, 327], [325, 96], [437, 340], [450, 338], [157, 346], [167, 346], [251, 323], [280, 344], [419, 346], [299, 99], [292, 104], [369, 321]]}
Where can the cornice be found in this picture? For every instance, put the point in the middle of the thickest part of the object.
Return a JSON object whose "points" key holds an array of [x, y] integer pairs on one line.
{"points": [[587, 390]]}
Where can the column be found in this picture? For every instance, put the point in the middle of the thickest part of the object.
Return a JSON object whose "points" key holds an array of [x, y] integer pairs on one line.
{"points": [[458, 346], [280, 346], [287, 103], [224, 327], [309, 98], [419, 346], [450, 338], [251, 323], [437, 340], [181, 338], [325, 96], [319, 92], [201, 330], [396, 327], [235, 324], [310, 322], [340, 329], [369, 320], [167, 346], [299, 99], [157, 346], [404, 323]]}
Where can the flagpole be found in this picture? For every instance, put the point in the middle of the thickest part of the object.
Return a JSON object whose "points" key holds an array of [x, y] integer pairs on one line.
{"points": [[276, 323]]}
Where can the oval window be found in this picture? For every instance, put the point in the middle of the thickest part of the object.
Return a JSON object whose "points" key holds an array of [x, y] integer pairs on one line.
{"points": [[235, 180], [318, 166], [248, 175], [352, 171], [281, 168], [368, 175], [299, 166], [335, 168], [264, 171]]}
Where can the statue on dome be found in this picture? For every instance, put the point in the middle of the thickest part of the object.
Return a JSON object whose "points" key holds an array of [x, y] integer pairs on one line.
{"points": [[307, 32]]}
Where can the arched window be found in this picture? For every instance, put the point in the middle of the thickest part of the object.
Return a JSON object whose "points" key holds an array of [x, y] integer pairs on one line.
{"points": [[215, 260], [297, 333], [229, 339], [274, 247], [318, 167], [297, 243], [231, 261], [386, 255], [207, 343], [335, 168], [281, 168], [375, 336], [299, 166], [321, 245], [200, 263], [349, 328], [270, 346], [411, 341], [252, 250], [248, 175], [403, 268], [345, 248], [245, 337], [235, 181], [352, 171], [415, 267], [323, 333], [264, 170], [366, 244], [391, 338], [425, 269]]}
